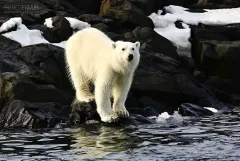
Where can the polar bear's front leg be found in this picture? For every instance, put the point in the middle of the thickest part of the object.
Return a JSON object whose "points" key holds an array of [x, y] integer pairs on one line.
{"points": [[120, 92], [103, 88]]}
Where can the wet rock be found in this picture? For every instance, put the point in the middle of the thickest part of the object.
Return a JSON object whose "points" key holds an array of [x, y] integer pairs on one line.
{"points": [[151, 105], [131, 14], [61, 30], [18, 87], [83, 112], [23, 114], [150, 111], [225, 89], [7, 44], [188, 109]]}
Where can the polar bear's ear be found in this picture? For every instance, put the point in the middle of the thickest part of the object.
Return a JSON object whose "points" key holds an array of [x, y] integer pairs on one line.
{"points": [[137, 44], [113, 45]]}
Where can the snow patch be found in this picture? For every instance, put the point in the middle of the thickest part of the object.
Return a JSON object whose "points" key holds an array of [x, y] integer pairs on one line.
{"points": [[165, 24], [77, 24], [214, 110], [25, 36], [48, 22], [10, 23], [30, 37]]}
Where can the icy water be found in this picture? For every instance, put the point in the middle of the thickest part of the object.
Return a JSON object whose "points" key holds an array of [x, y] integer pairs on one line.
{"points": [[209, 138]]}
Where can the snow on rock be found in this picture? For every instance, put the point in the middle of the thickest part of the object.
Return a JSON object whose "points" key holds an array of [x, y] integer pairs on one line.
{"points": [[165, 24], [30, 37], [25, 36], [77, 24], [166, 28], [211, 17], [48, 22], [211, 109], [10, 23]]}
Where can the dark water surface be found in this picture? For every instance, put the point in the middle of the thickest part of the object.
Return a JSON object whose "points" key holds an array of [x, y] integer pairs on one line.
{"points": [[210, 138]]}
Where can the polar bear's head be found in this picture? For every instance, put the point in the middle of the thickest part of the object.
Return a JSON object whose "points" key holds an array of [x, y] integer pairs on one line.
{"points": [[127, 53]]}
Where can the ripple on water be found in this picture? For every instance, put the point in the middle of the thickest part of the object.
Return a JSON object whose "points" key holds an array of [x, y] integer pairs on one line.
{"points": [[171, 138]]}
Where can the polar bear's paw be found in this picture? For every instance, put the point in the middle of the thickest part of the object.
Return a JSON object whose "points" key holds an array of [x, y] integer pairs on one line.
{"points": [[121, 112], [108, 117]]}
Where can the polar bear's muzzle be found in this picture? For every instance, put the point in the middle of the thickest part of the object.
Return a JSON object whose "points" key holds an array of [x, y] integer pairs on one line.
{"points": [[130, 57]]}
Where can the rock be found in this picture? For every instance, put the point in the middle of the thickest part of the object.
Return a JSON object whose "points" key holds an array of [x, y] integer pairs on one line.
{"points": [[218, 58], [150, 103], [115, 36], [225, 89], [83, 112], [160, 78], [150, 111], [48, 59], [147, 6], [91, 18], [7, 44], [61, 30], [89, 6], [188, 109], [131, 14], [101, 26], [18, 87], [156, 41], [215, 51], [22, 114], [215, 4]]}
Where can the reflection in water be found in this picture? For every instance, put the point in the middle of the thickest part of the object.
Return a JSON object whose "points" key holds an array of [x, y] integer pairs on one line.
{"points": [[97, 142], [210, 138]]}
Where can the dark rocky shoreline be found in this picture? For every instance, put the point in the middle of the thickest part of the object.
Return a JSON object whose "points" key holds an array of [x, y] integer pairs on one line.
{"points": [[35, 91]]}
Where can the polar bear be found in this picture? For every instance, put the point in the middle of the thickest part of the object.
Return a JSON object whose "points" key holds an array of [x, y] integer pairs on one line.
{"points": [[92, 57]]}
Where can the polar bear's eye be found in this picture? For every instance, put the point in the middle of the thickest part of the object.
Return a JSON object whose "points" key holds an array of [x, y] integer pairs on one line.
{"points": [[123, 49], [132, 48]]}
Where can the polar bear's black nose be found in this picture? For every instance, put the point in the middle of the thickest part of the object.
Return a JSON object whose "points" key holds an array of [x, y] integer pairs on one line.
{"points": [[130, 57]]}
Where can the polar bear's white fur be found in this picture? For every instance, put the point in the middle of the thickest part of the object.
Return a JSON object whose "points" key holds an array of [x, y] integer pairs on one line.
{"points": [[91, 56]]}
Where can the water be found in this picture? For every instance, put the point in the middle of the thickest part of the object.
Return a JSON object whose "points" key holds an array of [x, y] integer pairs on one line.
{"points": [[209, 138]]}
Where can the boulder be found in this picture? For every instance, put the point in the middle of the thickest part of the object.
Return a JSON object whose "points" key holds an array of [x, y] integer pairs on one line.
{"points": [[216, 4], [161, 78], [157, 42], [7, 44], [125, 12], [189, 109], [89, 6], [91, 18], [101, 26], [50, 61], [18, 87], [61, 30], [215, 50], [32, 115]]}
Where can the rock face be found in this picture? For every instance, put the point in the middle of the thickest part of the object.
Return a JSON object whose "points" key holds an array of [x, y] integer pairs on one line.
{"points": [[125, 11], [35, 91], [61, 30], [215, 50]]}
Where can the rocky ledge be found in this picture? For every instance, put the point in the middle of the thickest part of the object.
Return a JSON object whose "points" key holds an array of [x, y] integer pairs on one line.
{"points": [[35, 91]]}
